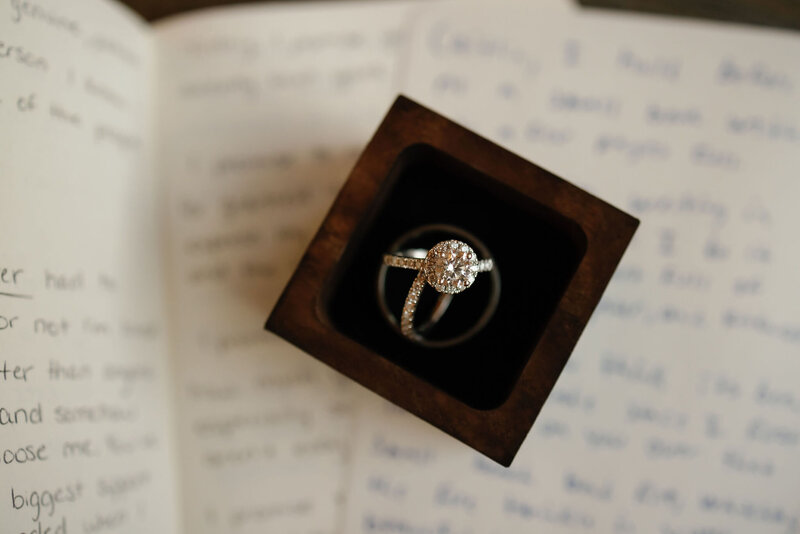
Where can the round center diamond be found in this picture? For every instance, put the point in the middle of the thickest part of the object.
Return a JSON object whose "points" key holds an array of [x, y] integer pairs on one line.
{"points": [[451, 266]]}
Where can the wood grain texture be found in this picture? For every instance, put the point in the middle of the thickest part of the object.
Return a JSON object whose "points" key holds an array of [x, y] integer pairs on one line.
{"points": [[157, 9], [301, 317], [777, 13]]}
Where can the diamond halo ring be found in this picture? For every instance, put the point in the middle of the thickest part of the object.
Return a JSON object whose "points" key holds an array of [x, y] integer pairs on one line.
{"points": [[450, 267]]}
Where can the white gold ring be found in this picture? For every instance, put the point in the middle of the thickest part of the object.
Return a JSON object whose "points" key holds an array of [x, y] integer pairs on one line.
{"points": [[449, 267]]}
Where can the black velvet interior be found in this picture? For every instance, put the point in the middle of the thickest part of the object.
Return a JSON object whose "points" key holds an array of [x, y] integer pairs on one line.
{"points": [[535, 249]]}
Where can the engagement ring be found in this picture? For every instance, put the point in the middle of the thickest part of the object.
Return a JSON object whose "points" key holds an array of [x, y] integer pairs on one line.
{"points": [[449, 267]]}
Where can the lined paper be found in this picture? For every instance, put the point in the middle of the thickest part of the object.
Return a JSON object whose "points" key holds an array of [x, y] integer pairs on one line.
{"points": [[85, 428], [678, 411], [160, 185], [264, 112]]}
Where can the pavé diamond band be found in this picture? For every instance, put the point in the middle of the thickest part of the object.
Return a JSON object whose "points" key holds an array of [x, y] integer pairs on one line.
{"points": [[449, 267]]}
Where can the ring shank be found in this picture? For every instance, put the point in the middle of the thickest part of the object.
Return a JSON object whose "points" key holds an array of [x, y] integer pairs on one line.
{"points": [[404, 262], [411, 262]]}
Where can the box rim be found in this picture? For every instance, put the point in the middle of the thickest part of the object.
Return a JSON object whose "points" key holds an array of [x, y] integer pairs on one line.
{"points": [[500, 431]]}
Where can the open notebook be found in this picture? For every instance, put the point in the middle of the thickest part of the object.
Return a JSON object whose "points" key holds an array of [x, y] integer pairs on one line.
{"points": [[159, 183]]}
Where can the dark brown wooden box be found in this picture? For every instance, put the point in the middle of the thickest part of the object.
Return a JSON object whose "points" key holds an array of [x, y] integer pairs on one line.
{"points": [[555, 246]]}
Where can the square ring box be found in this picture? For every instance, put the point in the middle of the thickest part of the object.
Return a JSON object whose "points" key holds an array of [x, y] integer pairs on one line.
{"points": [[555, 248]]}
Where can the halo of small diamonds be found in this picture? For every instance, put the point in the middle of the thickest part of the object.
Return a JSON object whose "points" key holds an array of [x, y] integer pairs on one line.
{"points": [[451, 266]]}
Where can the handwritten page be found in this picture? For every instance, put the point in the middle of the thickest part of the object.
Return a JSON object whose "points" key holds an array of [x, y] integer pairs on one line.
{"points": [[85, 432], [160, 185], [264, 111], [679, 411]]}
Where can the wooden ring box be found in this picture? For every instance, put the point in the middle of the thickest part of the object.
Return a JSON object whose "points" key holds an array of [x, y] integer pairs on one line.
{"points": [[556, 247]]}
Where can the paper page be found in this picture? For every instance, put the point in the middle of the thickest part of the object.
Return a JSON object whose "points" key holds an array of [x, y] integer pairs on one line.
{"points": [[679, 410], [264, 111], [85, 442]]}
